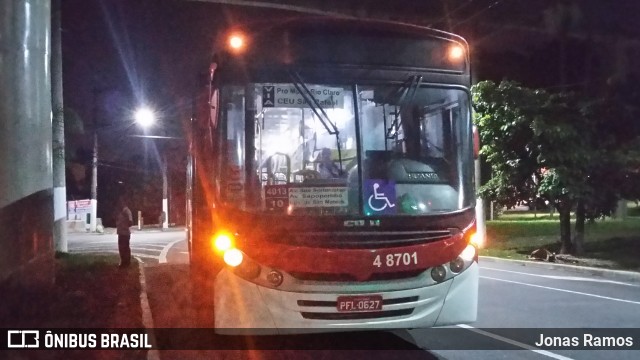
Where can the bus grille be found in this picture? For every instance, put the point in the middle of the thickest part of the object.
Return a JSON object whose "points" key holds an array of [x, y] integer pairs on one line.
{"points": [[366, 239], [343, 277], [356, 316]]}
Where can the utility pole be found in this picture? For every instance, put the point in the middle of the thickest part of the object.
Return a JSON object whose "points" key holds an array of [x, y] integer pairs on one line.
{"points": [[59, 181], [165, 201], [145, 117], [94, 184], [26, 177], [94, 167]]}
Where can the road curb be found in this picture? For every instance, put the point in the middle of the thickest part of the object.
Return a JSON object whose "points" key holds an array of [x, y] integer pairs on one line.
{"points": [[147, 318], [617, 275]]}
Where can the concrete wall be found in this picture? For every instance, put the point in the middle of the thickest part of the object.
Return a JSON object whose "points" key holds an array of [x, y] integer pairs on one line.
{"points": [[26, 185]]}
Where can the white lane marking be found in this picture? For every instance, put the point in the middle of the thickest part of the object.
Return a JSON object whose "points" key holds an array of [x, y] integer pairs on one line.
{"points": [[145, 256], [515, 343], [574, 278], [113, 241], [111, 245], [147, 317], [115, 252], [143, 248], [163, 253], [159, 246], [565, 290]]}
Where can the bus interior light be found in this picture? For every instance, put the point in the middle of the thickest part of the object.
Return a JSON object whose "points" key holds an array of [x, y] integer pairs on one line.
{"points": [[233, 257]]}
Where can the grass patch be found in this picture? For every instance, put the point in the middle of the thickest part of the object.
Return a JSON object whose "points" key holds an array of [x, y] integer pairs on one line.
{"points": [[609, 243], [633, 209], [89, 292], [529, 216]]}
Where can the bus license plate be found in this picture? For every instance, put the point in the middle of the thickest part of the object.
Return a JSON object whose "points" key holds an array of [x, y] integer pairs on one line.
{"points": [[359, 303]]}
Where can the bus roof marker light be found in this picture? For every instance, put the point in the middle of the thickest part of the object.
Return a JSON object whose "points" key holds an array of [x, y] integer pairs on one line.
{"points": [[237, 42], [456, 52], [233, 257]]}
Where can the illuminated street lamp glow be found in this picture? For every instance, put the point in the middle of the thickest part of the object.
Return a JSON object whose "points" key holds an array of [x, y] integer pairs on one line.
{"points": [[145, 117]]}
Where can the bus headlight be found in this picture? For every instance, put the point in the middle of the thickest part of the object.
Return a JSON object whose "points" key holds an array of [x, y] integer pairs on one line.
{"points": [[275, 278], [469, 253], [252, 271], [438, 273], [242, 265], [457, 265], [464, 260], [233, 257]]}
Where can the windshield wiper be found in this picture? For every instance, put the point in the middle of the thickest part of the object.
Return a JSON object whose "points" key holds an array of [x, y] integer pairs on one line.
{"points": [[411, 85], [317, 109]]}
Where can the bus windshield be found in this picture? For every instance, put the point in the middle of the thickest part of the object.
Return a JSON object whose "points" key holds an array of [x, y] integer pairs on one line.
{"points": [[354, 149]]}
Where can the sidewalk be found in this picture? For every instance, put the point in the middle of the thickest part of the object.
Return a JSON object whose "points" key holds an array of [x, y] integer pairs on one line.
{"points": [[134, 229], [616, 275]]}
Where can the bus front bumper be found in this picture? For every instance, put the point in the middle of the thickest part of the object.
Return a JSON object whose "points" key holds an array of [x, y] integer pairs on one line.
{"points": [[242, 307]]}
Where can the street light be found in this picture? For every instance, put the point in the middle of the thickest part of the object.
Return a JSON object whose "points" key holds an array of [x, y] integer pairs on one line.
{"points": [[145, 117]]}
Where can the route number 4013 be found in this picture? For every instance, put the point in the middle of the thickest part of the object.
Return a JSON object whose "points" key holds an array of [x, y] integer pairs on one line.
{"points": [[393, 260]]}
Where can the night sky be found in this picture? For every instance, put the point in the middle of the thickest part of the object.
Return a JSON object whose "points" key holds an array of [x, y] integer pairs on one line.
{"points": [[119, 54], [149, 51]]}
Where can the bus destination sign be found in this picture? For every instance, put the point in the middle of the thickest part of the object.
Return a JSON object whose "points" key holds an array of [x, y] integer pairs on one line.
{"points": [[287, 96]]}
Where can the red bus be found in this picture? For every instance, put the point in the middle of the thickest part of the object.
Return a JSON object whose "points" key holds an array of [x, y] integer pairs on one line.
{"points": [[332, 178]]}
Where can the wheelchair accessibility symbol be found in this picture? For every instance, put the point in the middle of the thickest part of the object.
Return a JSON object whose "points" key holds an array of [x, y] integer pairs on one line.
{"points": [[380, 196]]}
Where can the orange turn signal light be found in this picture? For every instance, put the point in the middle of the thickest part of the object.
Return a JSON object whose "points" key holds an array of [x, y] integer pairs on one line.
{"points": [[222, 242], [476, 240]]}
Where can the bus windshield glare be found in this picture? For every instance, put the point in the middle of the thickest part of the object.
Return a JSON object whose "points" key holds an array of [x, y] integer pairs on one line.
{"points": [[346, 149]]}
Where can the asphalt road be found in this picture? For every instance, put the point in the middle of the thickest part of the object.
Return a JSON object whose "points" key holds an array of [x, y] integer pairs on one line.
{"points": [[514, 296], [516, 305], [150, 246]]}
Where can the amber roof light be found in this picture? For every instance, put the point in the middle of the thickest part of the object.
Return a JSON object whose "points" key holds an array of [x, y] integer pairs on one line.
{"points": [[456, 53], [237, 42]]}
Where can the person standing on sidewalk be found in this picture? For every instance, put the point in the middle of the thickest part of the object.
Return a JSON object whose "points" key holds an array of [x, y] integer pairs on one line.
{"points": [[124, 221]]}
